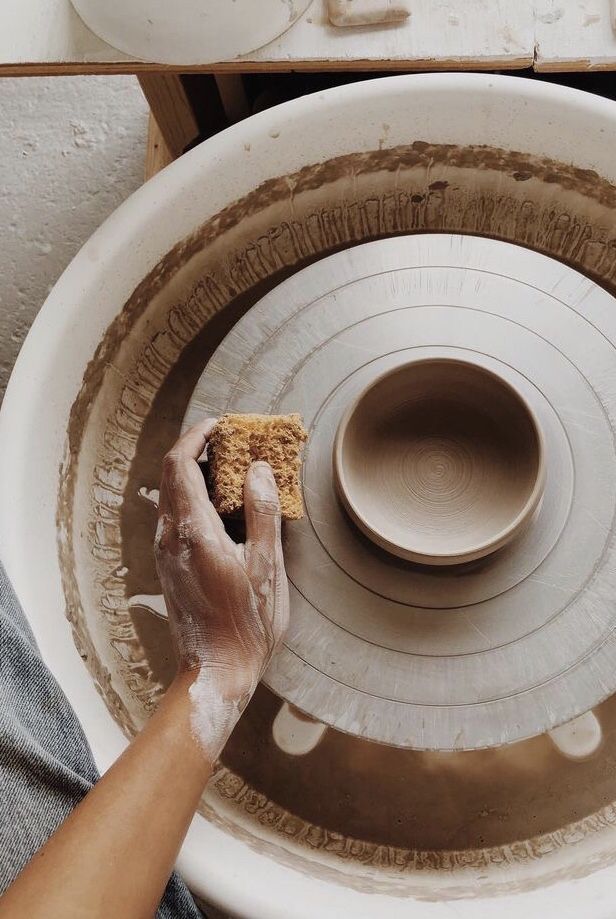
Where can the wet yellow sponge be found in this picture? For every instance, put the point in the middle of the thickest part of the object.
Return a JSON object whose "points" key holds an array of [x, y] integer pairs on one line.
{"points": [[239, 440]]}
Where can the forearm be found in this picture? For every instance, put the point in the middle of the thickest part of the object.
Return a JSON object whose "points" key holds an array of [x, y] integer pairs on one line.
{"points": [[113, 856], [228, 608]]}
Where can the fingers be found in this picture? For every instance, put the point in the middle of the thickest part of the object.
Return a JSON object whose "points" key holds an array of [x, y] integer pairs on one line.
{"points": [[183, 491], [262, 511], [194, 441]]}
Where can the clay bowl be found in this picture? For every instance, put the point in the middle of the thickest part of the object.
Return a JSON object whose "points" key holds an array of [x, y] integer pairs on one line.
{"points": [[440, 462]]}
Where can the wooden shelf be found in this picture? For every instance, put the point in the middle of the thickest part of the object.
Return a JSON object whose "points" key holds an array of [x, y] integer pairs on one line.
{"points": [[574, 36], [48, 37]]}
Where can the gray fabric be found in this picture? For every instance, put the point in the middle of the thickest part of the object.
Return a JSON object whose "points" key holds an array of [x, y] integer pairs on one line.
{"points": [[46, 766]]}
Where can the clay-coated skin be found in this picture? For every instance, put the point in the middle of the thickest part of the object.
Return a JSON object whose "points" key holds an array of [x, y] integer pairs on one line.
{"points": [[228, 604], [228, 608]]}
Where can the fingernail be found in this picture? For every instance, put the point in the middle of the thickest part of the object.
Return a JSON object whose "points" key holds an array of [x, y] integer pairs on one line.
{"points": [[262, 473], [262, 470]]}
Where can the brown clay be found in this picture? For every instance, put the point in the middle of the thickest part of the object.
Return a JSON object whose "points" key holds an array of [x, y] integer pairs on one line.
{"points": [[440, 462]]}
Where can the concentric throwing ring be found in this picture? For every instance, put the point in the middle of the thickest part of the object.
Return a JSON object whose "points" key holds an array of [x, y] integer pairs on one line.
{"points": [[460, 658]]}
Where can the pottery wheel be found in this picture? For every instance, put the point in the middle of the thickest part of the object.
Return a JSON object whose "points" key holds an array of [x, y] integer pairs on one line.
{"points": [[465, 657]]}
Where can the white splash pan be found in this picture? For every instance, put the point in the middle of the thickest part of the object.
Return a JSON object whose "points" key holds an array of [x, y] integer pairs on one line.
{"points": [[450, 108]]}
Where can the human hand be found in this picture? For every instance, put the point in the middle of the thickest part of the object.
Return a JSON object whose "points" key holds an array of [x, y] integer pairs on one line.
{"points": [[228, 604], [228, 608]]}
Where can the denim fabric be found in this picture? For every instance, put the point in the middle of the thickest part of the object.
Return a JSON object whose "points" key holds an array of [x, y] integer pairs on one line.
{"points": [[46, 766]]}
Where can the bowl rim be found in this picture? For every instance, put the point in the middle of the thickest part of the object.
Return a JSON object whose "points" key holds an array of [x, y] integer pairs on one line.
{"points": [[472, 552]]}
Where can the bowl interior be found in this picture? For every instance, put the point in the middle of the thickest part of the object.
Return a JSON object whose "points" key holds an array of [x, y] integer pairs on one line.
{"points": [[440, 461]]}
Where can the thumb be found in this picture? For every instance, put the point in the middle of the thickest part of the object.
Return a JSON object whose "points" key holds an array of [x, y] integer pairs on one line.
{"points": [[262, 510]]}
